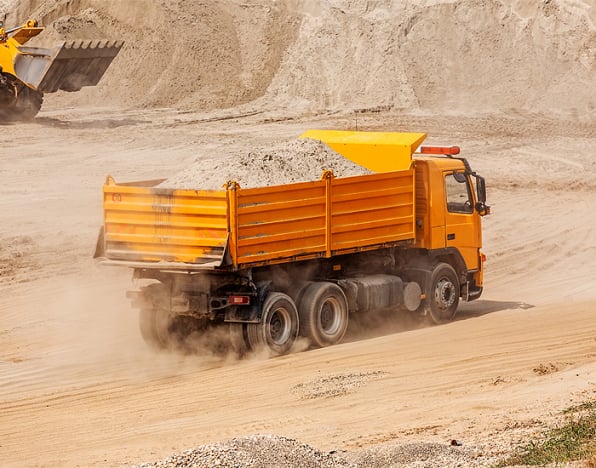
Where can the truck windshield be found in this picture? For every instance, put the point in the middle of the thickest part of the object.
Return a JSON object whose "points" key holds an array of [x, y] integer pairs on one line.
{"points": [[459, 196]]}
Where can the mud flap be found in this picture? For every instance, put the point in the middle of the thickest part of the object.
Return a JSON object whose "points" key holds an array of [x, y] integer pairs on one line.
{"points": [[68, 67], [100, 247]]}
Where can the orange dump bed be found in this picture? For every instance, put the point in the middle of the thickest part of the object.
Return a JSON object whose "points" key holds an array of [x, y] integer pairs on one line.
{"points": [[242, 227]]}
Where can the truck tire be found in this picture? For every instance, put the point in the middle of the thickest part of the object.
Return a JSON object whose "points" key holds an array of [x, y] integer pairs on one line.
{"points": [[154, 316], [443, 294], [323, 314], [237, 333], [278, 328]]}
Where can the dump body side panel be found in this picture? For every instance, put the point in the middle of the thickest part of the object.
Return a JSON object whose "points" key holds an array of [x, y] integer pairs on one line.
{"points": [[324, 218], [143, 224], [260, 225], [372, 210], [281, 221]]}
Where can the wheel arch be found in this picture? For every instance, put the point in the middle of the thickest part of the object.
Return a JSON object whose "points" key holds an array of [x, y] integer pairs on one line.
{"points": [[453, 257]]}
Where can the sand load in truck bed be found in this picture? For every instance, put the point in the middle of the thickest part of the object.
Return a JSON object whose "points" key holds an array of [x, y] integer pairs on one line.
{"points": [[292, 161]]}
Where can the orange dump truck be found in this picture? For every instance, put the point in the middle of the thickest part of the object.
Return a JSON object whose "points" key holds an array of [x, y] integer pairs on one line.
{"points": [[274, 263]]}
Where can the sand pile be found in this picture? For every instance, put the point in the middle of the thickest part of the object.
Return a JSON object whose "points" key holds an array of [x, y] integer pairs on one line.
{"points": [[288, 162], [265, 450], [458, 56]]}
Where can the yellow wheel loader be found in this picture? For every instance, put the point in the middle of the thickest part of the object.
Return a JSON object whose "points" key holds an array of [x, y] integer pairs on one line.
{"points": [[26, 73]]}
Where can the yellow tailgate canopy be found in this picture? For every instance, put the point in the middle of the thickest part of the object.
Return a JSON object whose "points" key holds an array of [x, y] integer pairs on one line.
{"points": [[376, 151]]}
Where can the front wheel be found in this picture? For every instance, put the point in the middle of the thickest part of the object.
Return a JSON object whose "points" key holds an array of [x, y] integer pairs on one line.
{"points": [[278, 328], [443, 295], [28, 104]]}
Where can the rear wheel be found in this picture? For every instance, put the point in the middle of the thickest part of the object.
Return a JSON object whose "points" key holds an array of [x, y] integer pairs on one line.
{"points": [[443, 296], [324, 314], [278, 328], [154, 316], [237, 333]]}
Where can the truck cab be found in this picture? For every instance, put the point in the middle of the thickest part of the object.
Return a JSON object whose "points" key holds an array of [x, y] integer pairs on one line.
{"points": [[450, 200]]}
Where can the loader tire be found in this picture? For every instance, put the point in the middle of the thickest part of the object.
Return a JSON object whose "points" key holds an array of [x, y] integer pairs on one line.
{"points": [[443, 294], [278, 328], [323, 314], [28, 104]]}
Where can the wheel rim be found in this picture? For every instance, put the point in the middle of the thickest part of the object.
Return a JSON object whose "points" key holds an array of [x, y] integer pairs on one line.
{"points": [[330, 319], [445, 294], [279, 329]]}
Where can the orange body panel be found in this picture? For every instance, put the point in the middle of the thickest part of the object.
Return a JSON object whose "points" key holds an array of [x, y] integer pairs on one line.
{"points": [[374, 210], [258, 225], [156, 225], [436, 227], [281, 221]]}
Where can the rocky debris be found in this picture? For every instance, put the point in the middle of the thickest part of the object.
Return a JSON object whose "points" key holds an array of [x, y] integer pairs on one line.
{"points": [[266, 451], [422, 455], [289, 162], [253, 451], [336, 385]]}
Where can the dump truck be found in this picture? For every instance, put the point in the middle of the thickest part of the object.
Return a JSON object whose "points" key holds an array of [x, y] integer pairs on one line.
{"points": [[276, 263], [26, 73]]}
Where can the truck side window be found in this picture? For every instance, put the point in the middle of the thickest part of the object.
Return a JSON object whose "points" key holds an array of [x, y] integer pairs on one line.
{"points": [[459, 198]]}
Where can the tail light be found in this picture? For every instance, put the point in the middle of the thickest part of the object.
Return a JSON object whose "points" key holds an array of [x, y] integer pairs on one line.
{"points": [[239, 300]]}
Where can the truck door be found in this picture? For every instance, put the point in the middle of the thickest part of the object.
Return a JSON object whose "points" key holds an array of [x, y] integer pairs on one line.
{"points": [[462, 221]]}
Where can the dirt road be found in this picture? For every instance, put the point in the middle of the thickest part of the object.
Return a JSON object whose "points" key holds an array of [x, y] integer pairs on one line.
{"points": [[79, 388]]}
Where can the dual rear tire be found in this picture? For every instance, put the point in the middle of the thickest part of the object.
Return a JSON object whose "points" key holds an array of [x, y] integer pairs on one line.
{"points": [[278, 328], [323, 314], [154, 316], [321, 317]]}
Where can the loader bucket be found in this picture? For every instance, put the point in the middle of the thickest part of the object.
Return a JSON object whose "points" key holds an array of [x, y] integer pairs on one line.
{"points": [[68, 67], [376, 151]]}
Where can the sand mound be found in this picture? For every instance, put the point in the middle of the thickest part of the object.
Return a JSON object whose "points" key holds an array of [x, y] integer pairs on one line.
{"points": [[478, 56], [293, 161]]}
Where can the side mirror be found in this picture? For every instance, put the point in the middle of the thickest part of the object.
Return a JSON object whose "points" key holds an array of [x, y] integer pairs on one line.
{"points": [[482, 209], [481, 189], [481, 206]]}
